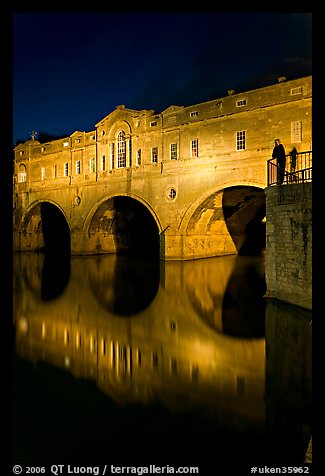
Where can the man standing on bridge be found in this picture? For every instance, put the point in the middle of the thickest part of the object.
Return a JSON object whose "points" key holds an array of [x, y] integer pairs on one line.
{"points": [[280, 156]]}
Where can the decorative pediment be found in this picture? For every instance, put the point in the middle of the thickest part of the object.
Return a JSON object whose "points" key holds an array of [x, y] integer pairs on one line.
{"points": [[76, 133], [172, 109], [122, 112]]}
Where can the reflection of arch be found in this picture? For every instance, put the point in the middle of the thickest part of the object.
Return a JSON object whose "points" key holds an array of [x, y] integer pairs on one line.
{"points": [[123, 285]]}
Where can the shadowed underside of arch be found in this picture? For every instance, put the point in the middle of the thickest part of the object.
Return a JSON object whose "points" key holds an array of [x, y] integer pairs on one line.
{"points": [[227, 222], [124, 225]]}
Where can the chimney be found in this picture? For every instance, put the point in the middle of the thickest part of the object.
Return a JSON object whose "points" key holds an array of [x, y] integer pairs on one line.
{"points": [[281, 79], [231, 92]]}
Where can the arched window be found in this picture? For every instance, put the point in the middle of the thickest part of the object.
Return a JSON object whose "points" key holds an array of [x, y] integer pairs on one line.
{"points": [[22, 174], [121, 149]]}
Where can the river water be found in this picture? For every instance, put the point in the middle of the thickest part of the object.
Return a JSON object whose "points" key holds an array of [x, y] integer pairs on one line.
{"points": [[127, 361]]}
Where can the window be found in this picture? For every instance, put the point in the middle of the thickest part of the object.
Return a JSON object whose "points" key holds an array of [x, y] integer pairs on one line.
{"points": [[139, 157], [294, 91], [241, 102], [77, 141], [173, 151], [241, 140], [103, 163], [78, 167], [21, 152], [54, 171], [66, 169], [153, 123], [194, 148], [92, 165], [113, 154], [22, 174], [171, 194], [296, 131], [65, 144], [194, 113], [154, 155], [121, 150], [43, 173]]}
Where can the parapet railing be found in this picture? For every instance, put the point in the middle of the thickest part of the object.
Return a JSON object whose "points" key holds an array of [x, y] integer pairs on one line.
{"points": [[298, 169]]}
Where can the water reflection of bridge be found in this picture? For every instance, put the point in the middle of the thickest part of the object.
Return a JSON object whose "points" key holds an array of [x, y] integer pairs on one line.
{"points": [[173, 350]]}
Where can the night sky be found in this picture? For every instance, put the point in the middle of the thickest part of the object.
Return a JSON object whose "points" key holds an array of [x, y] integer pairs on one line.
{"points": [[70, 70]]}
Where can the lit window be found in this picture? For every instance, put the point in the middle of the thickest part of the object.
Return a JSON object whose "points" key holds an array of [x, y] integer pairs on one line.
{"points": [[241, 140], [139, 157], [22, 174], [54, 171], [294, 91], [43, 330], [121, 150], [92, 165], [77, 141], [43, 149], [154, 155], [241, 102], [171, 193], [65, 144], [194, 113], [43, 173], [296, 131], [66, 169], [21, 152], [173, 151], [78, 167], [194, 148], [113, 154]]}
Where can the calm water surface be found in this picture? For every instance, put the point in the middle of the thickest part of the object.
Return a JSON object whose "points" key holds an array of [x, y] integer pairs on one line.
{"points": [[126, 361]]}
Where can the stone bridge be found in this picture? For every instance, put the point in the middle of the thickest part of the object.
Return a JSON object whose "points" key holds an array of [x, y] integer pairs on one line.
{"points": [[188, 182], [185, 212]]}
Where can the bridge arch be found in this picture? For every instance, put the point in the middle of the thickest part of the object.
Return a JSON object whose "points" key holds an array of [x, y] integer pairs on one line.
{"points": [[123, 223], [226, 220], [45, 225]]}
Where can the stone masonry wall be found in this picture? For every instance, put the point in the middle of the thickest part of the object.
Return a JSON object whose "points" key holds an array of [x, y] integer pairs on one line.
{"points": [[288, 266]]}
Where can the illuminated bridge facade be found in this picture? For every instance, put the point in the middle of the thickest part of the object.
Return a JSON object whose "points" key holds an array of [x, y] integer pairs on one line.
{"points": [[187, 182]]}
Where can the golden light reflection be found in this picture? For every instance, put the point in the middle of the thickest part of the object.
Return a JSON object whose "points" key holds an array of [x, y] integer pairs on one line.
{"points": [[168, 352]]}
